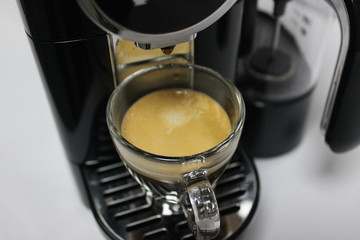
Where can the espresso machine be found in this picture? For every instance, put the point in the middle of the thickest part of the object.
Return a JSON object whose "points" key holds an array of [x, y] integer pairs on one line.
{"points": [[85, 48]]}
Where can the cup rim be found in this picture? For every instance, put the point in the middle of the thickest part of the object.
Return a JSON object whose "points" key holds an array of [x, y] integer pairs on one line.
{"points": [[174, 159]]}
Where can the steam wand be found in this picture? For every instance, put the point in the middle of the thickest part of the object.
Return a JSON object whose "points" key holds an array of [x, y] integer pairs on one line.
{"points": [[279, 9]]}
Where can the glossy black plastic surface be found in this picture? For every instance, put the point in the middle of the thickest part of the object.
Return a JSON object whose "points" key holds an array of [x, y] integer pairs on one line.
{"points": [[72, 54], [77, 76], [343, 132], [217, 46], [277, 92], [274, 128], [247, 28], [153, 16], [56, 20]]}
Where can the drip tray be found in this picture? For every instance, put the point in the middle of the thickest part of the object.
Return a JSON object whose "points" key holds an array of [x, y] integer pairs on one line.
{"points": [[121, 210]]}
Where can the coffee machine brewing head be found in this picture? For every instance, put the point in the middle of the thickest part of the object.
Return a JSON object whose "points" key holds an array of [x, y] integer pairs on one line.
{"points": [[155, 23]]}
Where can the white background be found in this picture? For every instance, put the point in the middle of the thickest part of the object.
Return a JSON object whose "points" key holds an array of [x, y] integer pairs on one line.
{"points": [[309, 193]]}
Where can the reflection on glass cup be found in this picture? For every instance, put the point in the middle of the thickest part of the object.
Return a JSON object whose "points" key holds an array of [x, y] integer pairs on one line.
{"points": [[184, 184]]}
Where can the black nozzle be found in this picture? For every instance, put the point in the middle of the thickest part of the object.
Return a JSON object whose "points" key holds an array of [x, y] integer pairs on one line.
{"points": [[279, 7]]}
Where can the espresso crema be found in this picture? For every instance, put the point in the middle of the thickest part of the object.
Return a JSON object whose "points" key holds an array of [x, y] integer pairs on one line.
{"points": [[175, 122]]}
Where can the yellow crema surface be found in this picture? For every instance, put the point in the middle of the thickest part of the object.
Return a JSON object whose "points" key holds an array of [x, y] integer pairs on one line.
{"points": [[175, 122]]}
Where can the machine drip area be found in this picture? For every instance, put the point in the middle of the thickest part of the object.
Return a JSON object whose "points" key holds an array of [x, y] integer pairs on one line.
{"points": [[122, 211]]}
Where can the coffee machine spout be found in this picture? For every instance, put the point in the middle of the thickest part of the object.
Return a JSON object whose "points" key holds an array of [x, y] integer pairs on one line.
{"points": [[166, 44]]}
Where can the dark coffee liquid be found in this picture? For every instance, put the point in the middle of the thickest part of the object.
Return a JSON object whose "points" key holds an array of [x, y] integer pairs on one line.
{"points": [[167, 50]]}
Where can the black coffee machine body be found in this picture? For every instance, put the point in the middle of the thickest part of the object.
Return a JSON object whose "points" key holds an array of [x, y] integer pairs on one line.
{"points": [[79, 67], [81, 64]]}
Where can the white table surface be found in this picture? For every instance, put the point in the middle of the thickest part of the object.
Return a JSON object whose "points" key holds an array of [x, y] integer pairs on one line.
{"points": [[310, 193]]}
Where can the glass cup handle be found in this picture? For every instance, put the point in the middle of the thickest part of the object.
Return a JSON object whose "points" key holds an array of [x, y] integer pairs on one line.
{"points": [[200, 205]]}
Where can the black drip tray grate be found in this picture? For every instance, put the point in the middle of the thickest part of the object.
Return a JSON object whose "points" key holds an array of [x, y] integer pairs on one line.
{"points": [[121, 209]]}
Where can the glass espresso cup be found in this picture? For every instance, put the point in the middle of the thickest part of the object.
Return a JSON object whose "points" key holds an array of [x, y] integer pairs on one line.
{"points": [[176, 185]]}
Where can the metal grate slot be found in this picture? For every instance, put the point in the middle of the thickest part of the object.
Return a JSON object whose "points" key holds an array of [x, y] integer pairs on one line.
{"points": [[146, 222], [183, 228], [233, 168], [110, 167], [114, 177], [235, 165], [228, 210], [119, 184], [188, 237], [127, 208], [124, 200], [183, 225], [118, 189], [229, 195], [133, 212], [91, 163], [231, 180], [123, 211], [156, 234]]}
